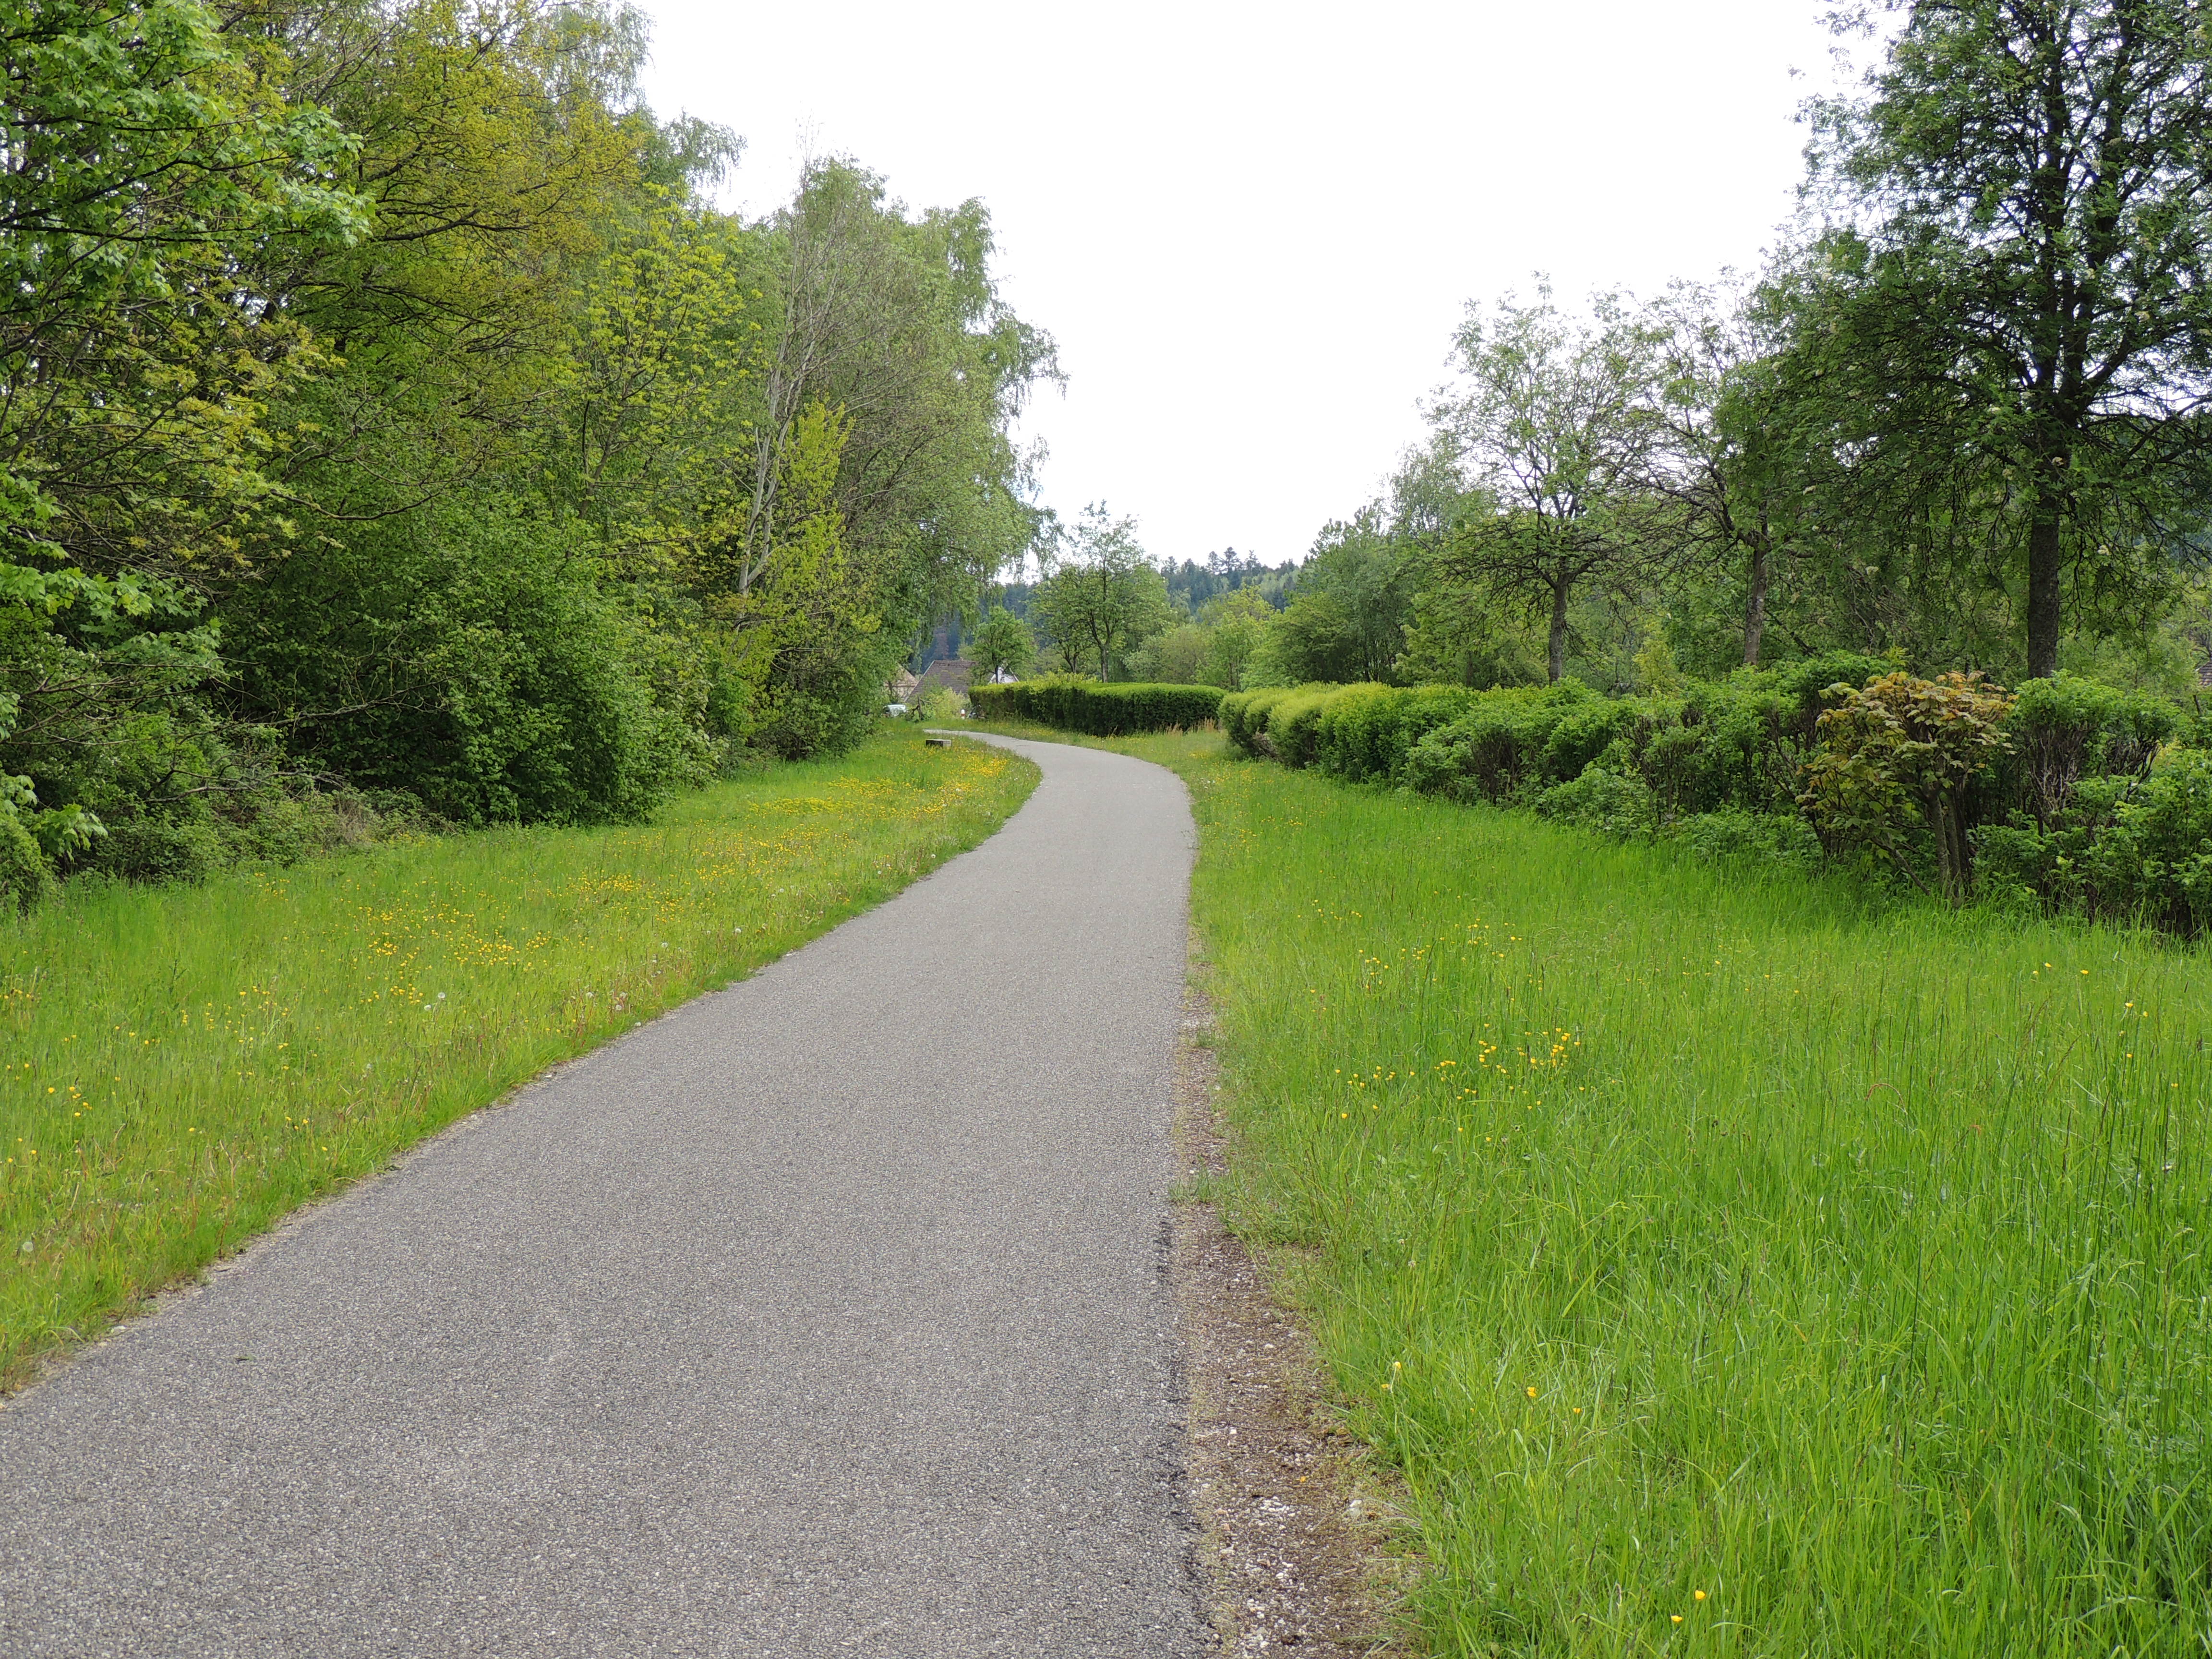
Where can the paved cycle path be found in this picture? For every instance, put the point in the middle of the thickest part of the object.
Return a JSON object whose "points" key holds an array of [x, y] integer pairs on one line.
{"points": [[824, 1316]]}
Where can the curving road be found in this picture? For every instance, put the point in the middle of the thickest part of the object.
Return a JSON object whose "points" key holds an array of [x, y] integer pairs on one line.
{"points": [[824, 1316]]}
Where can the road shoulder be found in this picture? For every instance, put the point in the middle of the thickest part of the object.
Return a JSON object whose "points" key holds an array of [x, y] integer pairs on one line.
{"points": [[1299, 1546]]}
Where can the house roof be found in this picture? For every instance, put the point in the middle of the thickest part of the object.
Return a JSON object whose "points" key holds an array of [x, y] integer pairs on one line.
{"points": [[946, 674]]}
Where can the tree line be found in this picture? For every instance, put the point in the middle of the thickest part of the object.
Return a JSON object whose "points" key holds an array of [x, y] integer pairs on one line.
{"points": [[391, 429], [1959, 420]]}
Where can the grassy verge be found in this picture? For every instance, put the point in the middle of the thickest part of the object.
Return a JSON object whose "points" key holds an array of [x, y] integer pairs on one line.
{"points": [[1736, 1262], [184, 1065]]}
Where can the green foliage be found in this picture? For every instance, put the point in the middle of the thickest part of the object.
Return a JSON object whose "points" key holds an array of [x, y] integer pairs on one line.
{"points": [[1071, 703], [390, 411], [1677, 1228], [1105, 604], [1611, 802], [26, 877], [2130, 849], [2013, 340], [1363, 733], [1181, 656], [1239, 623], [1793, 764], [191, 1063], [1549, 416], [467, 656], [2066, 728], [1899, 757], [1002, 642], [942, 707], [1505, 744], [1346, 619]]}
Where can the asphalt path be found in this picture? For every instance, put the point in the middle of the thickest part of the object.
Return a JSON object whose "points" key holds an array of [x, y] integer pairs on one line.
{"points": [[824, 1316]]}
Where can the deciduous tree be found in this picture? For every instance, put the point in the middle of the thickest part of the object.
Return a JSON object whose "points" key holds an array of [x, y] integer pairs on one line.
{"points": [[2021, 292], [1107, 599], [1548, 419]]}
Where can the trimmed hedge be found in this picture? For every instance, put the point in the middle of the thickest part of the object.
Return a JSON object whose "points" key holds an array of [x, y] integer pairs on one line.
{"points": [[1735, 743], [2103, 804], [1074, 704]]}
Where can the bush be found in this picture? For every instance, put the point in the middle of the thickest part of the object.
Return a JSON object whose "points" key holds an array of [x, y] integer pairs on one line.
{"points": [[1904, 770], [1071, 702], [1365, 732], [2124, 848], [1894, 766], [2066, 727], [24, 877], [941, 705], [1498, 748], [1612, 803], [1244, 715], [467, 656]]}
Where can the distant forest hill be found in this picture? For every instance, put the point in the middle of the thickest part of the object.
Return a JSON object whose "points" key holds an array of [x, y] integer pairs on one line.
{"points": [[1190, 585]]}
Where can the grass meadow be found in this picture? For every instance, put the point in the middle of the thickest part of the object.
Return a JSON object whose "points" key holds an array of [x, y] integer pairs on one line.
{"points": [[180, 1066], [1735, 1261]]}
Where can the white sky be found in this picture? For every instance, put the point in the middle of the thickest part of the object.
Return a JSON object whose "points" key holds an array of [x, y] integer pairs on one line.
{"points": [[1251, 229]]}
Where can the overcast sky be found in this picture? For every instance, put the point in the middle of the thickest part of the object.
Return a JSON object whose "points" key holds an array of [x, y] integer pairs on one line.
{"points": [[1252, 230]]}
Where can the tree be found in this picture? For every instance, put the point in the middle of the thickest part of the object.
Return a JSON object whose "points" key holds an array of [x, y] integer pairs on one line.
{"points": [[1002, 642], [153, 163], [1236, 622], [1549, 420], [1109, 600], [2024, 295], [1722, 450], [896, 324], [1347, 621]]}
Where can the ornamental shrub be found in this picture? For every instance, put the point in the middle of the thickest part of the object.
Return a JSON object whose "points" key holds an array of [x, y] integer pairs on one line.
{"points": [[1071, 702], [1244, 715], [1294, 723], [1894, 765]]}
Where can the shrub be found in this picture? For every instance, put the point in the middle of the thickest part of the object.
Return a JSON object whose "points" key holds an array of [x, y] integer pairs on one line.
{"points": [[1244, 715], [1074, 703], [2066, 728], [2127, 849], [1896, 772], [1294, 723], [25, 877], [1613, 803], [1497, 749], [1365, 732], [941, 705], [466, 656], [1896, 758]]}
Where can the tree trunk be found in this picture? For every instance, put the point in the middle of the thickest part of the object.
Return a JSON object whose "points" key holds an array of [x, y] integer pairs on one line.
{"points": [[1754, 614], [1560, 585], [2043, 609]]}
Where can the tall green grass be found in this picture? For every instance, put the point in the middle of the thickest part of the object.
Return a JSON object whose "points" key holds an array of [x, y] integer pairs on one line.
{"points": [[180, 1066], [1735, 1263]]}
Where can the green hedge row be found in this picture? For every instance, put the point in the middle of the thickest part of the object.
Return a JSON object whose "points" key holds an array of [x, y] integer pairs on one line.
{"points": [[1074, 704], [2102, 805]]}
